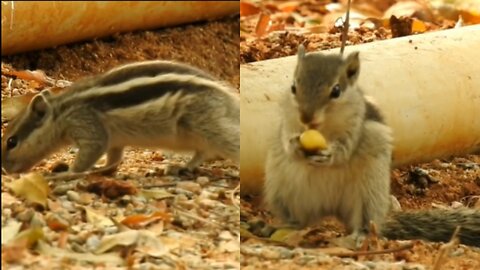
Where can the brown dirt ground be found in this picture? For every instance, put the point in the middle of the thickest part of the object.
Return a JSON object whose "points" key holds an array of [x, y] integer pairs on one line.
{"points": [[456, 180], [211, 46]]}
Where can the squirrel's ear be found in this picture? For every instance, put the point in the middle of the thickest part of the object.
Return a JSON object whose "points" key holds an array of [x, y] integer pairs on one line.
{"points": [[353, 66], [39, 105], [301, 52]]}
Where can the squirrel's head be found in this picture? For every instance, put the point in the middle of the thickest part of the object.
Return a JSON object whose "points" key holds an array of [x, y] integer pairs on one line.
{"points": [[321, 81], [29, 135]]}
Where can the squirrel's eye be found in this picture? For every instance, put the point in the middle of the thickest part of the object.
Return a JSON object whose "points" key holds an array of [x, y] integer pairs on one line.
{"points": [[12, 142], [294, 89], [336, 91]]}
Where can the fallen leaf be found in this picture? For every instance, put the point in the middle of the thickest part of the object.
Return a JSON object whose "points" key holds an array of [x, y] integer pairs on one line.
{"points": [[150, 244], [262, 24], [137, 221], [97, 219], [10, 230], [37, 75], [418, 26], [107, 258], [281, 234], [33, 187], [288, 6], [247, 8], [145, 241], [470, 17], [29, 237], [111, 189]]}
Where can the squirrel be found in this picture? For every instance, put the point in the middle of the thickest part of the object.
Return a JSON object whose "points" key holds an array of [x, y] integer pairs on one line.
{"points": [[162, 104], [350, 178]]}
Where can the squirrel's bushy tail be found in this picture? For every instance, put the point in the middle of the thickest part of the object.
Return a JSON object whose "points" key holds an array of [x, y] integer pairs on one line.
{"points": [[436, 225]]}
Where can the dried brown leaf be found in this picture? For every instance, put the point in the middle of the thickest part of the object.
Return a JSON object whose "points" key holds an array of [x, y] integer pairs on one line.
{"points": [[111, 188], [33, 187], [97, 219], [247, 8], [262, 25], [138, 221], [37, 75]]}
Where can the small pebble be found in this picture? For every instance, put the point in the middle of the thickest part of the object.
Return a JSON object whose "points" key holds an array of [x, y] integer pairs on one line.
{"points": [[225, 235], [85, 198], [73, 196], [62, 189], [190, 186], [202, 180], [92, 243], [37, 220]]}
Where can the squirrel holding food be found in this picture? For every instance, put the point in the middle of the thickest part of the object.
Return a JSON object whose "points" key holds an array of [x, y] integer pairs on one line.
{"points": [[159, 104], [331, 156]]}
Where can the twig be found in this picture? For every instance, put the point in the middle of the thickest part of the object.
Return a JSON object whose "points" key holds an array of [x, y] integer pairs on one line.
{"points": [[374, 252], [439, 261], [345, 28]]}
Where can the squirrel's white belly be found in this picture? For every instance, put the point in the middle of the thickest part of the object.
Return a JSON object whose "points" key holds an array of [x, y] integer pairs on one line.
{"points": [[323, 190]]}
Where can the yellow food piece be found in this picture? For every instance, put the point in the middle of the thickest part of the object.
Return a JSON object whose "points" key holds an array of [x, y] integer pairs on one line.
{"points": [[312, 140]]}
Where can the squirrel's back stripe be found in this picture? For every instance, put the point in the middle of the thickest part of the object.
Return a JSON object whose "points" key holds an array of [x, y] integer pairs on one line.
{"points": [[139, 69], [139, 90]]}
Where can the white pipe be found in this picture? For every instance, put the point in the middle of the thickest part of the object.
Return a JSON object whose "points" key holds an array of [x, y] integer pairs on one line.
{"points": [[428, 87], [30, 25]]}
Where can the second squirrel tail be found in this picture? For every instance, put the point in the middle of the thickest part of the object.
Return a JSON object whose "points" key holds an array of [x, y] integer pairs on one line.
{"points": [[436, 225]]}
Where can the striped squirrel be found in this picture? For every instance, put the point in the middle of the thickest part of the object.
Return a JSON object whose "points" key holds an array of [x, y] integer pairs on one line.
{"points": [[350, 179], [160, 104]]}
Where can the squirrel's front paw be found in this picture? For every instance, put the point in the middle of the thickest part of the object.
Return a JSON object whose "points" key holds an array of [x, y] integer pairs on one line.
{"points": [[296, 147], [320, 157], [317, 157]]}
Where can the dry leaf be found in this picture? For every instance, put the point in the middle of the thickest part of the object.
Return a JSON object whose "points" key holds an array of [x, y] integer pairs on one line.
{"points": [[418, 26], [10, 230], [262, 24], [282, 234], [33, 187], [288, 6], [137, 221], [108, 258], [28, 237], [111, 189], [145, 241], [97, 219], [150, 244], [37, 75], [247, 8]]}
